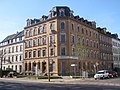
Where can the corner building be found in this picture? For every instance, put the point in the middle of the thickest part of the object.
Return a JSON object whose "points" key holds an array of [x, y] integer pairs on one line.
{"points": [[73, 48]]}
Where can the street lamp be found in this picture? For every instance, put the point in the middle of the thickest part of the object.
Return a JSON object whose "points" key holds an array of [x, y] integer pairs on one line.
{"points": [[49, 43]]}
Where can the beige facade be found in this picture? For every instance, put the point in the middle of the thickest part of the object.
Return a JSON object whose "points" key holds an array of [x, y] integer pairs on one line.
{"points": [[105, 48]]}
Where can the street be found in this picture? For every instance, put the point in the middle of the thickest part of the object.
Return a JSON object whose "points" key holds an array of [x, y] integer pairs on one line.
{"points": [[40, 86], [81, 85]]}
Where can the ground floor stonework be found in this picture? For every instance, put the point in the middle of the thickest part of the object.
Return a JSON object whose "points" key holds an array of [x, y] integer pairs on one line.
{"points": [[65, 66]]}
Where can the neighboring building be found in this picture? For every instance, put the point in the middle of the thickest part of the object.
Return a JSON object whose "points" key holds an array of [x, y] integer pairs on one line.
{"points": [[105, 48], [116, 50], [73, 49], [12, 47]]}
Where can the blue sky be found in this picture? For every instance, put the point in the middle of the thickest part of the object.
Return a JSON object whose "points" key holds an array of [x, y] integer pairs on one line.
{"points": [[14, 13]]}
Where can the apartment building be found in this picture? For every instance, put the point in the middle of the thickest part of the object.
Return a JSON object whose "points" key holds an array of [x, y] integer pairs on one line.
{"points": [[105, 49], [72, 50], [116, 50], [12, 52]]}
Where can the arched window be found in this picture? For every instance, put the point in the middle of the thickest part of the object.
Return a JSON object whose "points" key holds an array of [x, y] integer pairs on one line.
{"points": [[62, 25]]}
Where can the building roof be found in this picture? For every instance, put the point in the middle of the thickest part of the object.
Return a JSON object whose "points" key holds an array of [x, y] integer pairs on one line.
{"points": [[13, 36]]}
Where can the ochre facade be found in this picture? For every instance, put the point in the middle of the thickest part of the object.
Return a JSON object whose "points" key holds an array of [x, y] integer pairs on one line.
{"points": [[73, 48]]}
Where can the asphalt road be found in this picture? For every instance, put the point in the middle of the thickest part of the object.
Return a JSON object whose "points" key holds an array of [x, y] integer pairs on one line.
{"points": [[10, 85]]}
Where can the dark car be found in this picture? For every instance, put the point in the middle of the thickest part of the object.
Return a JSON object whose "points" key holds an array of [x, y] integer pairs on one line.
{"points": [[12, 74], [112, 74]]}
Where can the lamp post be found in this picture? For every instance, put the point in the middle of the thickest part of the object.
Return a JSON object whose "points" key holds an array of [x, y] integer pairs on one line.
{"points": [[48, 61], [49, 43]]}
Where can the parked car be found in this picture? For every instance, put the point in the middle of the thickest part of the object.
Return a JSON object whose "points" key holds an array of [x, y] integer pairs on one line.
{"points": [[101, 74], [112, 74], [12, 74]]}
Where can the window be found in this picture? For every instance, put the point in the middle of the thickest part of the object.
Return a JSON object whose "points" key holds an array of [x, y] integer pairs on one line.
{"points": [[52, 39], [44, 29], [12, 49], [9, 49], [90, 33], [62, 25], [30, 43], [8, 58], [62, 38], [16, 48], [12, 41], [30, 54], [16, 58], [20, 67], [39, 30], [34, 32], [12, 67], [39, 41], [51, 52], [34, 54], [20, 47], [86, 42], [78, 39], [62, 51], [44, 40], [94, 43], [26, 34], [26, 55], [51, 27], [20, 38], [91, 43], [86, 32], [12, 58], [20, 57], [15, 67], [96, 36], [30, 32], [34, 42], [52, 66], [72, 39], [62, 12], [72, 27], [97, 45], [15, 39], [39, 65], [39, 52], [44, 52], [26, 44], [5, 51], [83, 41], [82, 31], [78, 29]]}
